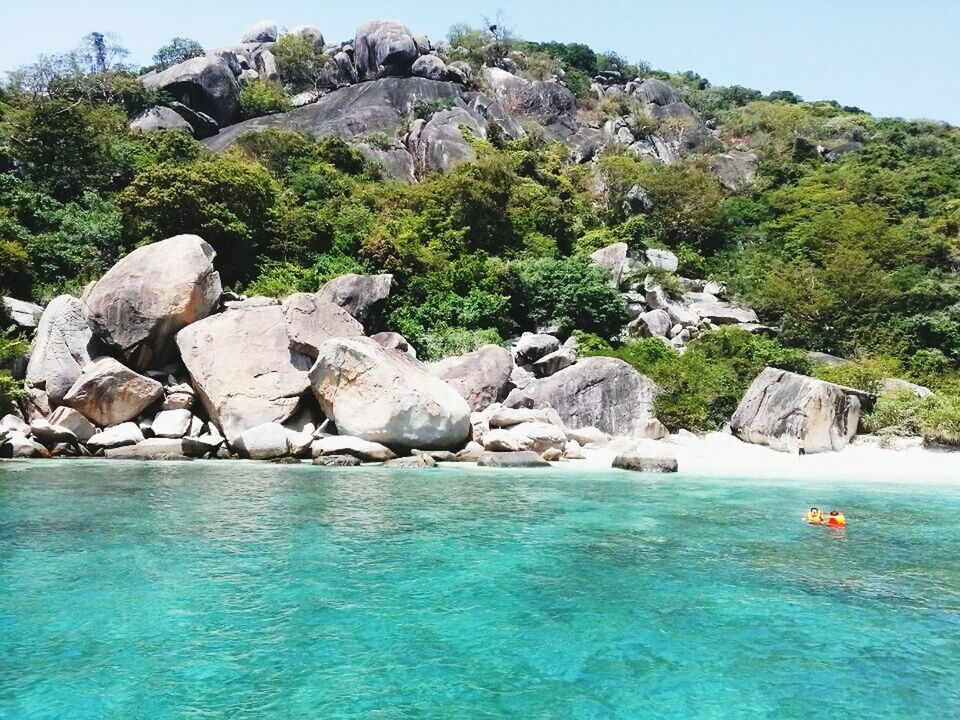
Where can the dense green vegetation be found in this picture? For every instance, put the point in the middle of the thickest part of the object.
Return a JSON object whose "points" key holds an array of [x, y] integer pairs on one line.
{"points": [[856, 256]]}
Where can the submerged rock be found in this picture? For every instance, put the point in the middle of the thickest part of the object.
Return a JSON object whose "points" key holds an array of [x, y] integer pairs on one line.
{"points": [[521, 459]]}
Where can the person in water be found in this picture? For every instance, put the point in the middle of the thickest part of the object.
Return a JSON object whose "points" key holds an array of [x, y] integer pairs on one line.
{"points": [[815, 516], [836, 519]]}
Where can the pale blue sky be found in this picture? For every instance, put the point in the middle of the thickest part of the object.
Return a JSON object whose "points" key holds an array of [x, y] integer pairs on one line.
{"points": [[890, 57]]}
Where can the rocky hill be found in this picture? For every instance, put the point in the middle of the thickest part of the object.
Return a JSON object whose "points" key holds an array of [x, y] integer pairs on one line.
{"points": [[369, 248]]}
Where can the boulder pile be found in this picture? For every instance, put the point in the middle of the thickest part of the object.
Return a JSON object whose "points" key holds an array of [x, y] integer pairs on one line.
{"points": [[156, 362]]}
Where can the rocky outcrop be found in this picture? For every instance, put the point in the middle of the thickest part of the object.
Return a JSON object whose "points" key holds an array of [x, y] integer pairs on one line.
{"points": [[359, 295], [382, 48], [312, 320], [109, 394], [533, 346], [351, 112], [205, 84], [243, 369], [386, 397], [790, 412], [73, 421], [439, 143], [553, 105], [481, 377], [63, 345], [605, 393], [150, 295]]}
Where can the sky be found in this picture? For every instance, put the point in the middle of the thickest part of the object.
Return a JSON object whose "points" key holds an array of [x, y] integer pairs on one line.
{"points": [[889, 57]]}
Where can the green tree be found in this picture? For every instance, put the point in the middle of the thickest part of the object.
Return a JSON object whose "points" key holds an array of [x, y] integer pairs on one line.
{"points": [[178, 50], [301, 62]]}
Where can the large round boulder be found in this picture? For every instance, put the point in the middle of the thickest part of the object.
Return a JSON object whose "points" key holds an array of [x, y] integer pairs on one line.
{"points": [[387, 397], [151, 294], [264, 31], [63, 345], [205, 84], [790, 412], [109, 393], [243, 368], [600, 392], [481, 377], [384, 47]]}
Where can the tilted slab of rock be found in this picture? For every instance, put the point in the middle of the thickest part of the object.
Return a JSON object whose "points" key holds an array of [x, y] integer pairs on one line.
{"points": [[787, 412], [151, 294], [116, 436], [243, 369], [605, 393], [710, 307], [63, 345], [533, 346], [338, 445], [108, 393], [312, 320], [160, 118], [73, 421], [172, 424], [554, 362], [152, 449], [203, 83], [50, 435], [481, 377], [359, 295], [613, 259], [386, 397]]}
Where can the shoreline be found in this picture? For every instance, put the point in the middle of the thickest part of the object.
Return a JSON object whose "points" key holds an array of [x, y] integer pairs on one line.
{"points": [[714, 455]]}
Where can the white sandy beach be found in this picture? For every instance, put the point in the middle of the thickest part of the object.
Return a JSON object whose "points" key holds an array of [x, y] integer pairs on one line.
{"points": [[719, 454]]}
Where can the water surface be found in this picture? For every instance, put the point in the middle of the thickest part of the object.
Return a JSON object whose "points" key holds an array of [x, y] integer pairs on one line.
{"points": [[240, 590]]}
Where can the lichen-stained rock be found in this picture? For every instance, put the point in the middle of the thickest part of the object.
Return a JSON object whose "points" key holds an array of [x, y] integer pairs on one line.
{"points": [[312, 320], [108, 393], [359, 295], [64, 344], [382, 48], [387, 397], [243, 369], [148, 296], [205, 84], [604, 393], [736, 169], [547, 102], [481, 377], [789, 412]]}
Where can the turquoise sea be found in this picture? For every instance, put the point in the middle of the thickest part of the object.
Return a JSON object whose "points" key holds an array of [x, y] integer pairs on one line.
{"points": [[240, 590]]}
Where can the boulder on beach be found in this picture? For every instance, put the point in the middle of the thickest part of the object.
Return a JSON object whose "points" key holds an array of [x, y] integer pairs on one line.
{"points": [[108, 393], [73, 421], [790, 412], [481, 377], [152, 293], [387, 397], [151, 449], [336, 461], [263, 442], [117, 436], [643, 458], [600, 392], [64, 344], [243, 369]]}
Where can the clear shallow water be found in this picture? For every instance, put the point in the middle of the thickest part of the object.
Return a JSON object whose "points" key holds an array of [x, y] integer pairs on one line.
{"points": [[235, 590]]}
